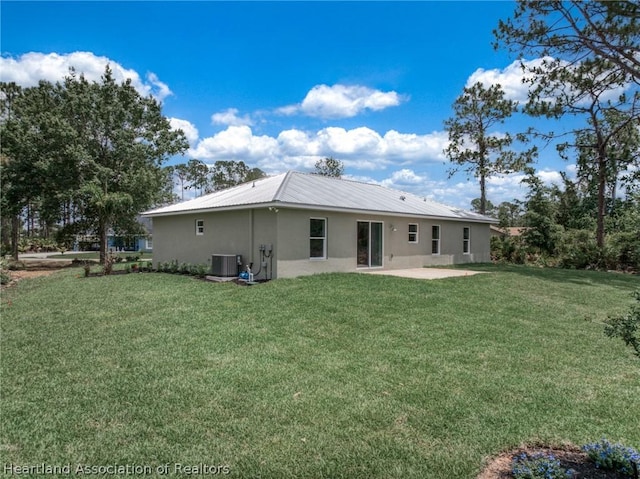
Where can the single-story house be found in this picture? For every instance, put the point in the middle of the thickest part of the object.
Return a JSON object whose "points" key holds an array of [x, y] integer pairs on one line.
{"points": [[508, 231], [296, 224], [141, 242]]}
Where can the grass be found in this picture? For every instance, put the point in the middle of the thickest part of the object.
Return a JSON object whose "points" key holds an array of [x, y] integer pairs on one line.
{"points": [[328, 376]]}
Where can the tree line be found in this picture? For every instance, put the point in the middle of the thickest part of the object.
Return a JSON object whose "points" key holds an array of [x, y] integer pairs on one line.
{"points": [[85, 158], [589, 73]]}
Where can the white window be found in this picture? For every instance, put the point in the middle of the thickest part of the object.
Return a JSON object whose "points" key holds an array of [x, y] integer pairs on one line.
{"points": [[413, 232], [466, 240], [318, 238], [199, 227], [435, 239], [149, 243]]}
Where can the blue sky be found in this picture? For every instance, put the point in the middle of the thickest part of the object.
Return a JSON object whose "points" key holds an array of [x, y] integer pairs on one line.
{"points": [[279, 85]]}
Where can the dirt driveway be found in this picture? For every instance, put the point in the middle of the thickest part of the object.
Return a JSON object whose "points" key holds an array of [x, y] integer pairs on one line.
{"points": [[425, 273]]}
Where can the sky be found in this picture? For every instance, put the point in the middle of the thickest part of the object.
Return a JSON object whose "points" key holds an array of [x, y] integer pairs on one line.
{"points": [[280, 85]]}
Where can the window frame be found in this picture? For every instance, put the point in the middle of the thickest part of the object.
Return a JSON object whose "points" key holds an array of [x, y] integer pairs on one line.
{"points": [[316, 238], [466, 240], [416, 233], [436, 240], [200, 227]]}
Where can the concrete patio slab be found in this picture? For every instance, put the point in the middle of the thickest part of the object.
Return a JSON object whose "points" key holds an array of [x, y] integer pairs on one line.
{"points": [[425, 273]]}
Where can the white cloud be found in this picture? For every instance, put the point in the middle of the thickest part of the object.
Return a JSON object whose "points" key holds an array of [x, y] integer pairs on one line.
{"points": [[359, 148], [550, 177], [28, 69], [188, 128], [421, 184], [342, 101], [402, 178], [510, 79], [230, 117], [236, 143], [350, 143]]}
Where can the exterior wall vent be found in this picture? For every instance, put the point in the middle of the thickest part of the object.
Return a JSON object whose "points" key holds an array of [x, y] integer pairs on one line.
{"points": [[225, 265]]}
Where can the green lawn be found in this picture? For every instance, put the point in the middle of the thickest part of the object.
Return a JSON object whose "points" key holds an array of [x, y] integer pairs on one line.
{"points": [[330, 376]]}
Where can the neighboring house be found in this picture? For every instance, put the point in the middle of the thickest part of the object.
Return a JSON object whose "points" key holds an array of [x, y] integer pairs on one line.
{"points": [[296, 224], [509, 231], [134, 242]]}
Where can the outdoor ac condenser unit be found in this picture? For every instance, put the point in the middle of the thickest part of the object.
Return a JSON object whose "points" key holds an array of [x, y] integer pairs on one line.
{"points": [[224, 265]]}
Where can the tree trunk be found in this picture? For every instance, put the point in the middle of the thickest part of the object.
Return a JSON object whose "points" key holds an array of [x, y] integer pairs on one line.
{"points": [[15, 236], [602, 196], [5, 232], [103, 241], [483, 194]]}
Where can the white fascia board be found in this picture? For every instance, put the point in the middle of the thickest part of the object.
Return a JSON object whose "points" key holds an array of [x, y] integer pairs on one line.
{"points": [[212, 210], [299, 206]]}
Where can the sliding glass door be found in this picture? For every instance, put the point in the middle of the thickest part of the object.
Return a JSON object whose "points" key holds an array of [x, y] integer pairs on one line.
{"points": [[369, 247]]}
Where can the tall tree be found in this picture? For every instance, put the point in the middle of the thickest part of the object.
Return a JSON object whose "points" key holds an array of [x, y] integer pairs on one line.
{"points": [[94, 147], [510, 214], [576, 31], [198, 176], [542, 231], [590, 68], [181, 174], [123, 139], [225, 174], [473, 142], [329, 167], [490, 208], [12, 199], [38, 146]]}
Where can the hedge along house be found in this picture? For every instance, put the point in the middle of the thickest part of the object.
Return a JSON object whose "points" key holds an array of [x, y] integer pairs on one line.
{"points": [[297, 224]]}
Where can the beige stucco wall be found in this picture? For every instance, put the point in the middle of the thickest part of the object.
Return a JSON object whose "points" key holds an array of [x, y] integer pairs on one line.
{"points": [[230, 232], [287, 231], [293, 249]]}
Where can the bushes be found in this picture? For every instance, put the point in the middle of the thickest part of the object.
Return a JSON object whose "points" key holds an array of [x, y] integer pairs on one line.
{"points": [[539, 466], [626, 327], [620, 459], [5, 277], [576, 249], [508, 249], [622, 251], [173, 267], [38, 245], [614, 457]]}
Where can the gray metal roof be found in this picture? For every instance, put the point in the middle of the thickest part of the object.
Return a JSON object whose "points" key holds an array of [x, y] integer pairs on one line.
{"points": [[303, 190]]}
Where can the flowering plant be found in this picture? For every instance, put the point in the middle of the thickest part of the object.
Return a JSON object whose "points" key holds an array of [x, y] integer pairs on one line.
{"points": [[616, 457], [539, 466]]}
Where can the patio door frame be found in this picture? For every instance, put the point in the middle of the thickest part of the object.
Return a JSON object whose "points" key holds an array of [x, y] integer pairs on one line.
{"points": [[373, 241]]}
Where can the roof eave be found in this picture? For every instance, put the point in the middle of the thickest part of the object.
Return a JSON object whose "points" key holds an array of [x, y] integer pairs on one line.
{"points": [[302, 206]]}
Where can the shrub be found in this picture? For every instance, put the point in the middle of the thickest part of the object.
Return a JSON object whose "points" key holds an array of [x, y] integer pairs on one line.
{"points": [[5, 277], [173, 266], [107, 268], [539, 466], [509, 249], [614, 457], [626, 327], [199, 270], [578, 250], [622, 251]]}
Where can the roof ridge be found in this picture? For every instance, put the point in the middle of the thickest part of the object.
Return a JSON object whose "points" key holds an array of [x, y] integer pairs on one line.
{"points": [[283, 185]]}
